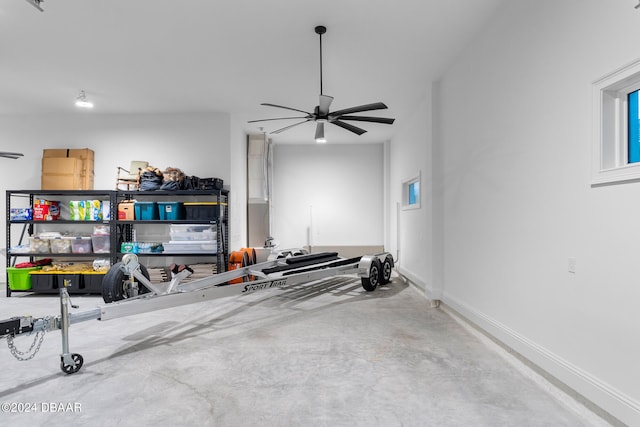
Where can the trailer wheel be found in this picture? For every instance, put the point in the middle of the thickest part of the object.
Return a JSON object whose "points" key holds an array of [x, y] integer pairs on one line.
{"points": [[115, 283], [387, 266], [72, 369], [375, 273]]}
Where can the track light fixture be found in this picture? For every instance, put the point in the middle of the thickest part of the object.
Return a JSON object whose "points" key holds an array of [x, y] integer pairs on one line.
{"points": [[81, 101], [36, 4]]}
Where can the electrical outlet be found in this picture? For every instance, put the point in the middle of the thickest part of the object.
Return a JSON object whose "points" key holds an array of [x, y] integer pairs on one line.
{"points": [[572, 265]]}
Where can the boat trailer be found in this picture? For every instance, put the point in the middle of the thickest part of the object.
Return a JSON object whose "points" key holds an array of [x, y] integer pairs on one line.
{"points": [[127, 290]]}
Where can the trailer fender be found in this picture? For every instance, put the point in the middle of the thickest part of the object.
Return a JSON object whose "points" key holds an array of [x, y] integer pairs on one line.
{"points": [[370, 272], [364, 266]]}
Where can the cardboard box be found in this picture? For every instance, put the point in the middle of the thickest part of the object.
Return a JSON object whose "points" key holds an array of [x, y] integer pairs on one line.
{"points": [[67, 169], [126, 211], [62, 173]]}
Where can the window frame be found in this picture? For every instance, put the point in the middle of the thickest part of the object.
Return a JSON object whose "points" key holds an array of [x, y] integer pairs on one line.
{"points": [[610, 150], [406, 185]]}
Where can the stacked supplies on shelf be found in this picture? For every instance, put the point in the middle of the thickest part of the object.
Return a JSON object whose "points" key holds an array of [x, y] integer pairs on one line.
{"points": [[55, 242], [89, 210], [191, 238]]}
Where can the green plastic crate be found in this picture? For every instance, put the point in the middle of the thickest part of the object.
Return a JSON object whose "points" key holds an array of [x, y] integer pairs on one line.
{"points": [[19, 278]]}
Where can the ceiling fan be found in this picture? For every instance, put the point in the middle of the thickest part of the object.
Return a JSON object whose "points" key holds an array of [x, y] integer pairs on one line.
{"points": [[10, 155], [322, 115]]}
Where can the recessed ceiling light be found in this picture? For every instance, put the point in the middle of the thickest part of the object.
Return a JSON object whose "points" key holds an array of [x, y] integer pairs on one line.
{"points": [[82, 102]]}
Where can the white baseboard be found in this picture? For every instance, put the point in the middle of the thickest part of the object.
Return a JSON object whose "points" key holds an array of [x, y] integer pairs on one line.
{"points": [[414, 279], [601, 394]]}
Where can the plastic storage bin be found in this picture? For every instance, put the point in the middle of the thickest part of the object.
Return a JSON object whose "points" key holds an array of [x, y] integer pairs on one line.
{"points": [[192, 235], [60, 245], [190, 247], [170, 211], [101, 243], [38, 245], [47, 282], [93, 282], [19, 278], [199, 211], [185, 228], [188, 232], [146, 210], [44, 282], [81, 245]]}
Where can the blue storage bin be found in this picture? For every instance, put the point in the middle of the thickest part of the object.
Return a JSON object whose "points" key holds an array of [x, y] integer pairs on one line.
{"points": [[171, 211], [146, 210]]}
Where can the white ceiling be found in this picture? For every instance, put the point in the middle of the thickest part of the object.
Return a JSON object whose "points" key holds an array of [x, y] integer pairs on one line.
{"points": [[142, 56]]}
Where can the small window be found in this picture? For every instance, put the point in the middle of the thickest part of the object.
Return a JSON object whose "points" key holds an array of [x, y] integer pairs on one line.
{"points": [[411, 193], [633, 127], [414, 193], [616, 139]]}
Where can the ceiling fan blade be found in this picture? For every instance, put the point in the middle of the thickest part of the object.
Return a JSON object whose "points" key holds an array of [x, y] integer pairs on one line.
{"points": [[290, 126], [278, 118], [349, 127], [324, 104], [286, 108], [10, 155], [367, 107], [384, 120]]}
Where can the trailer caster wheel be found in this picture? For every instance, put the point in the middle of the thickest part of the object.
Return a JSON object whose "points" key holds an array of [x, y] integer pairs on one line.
{"points": [[375, 273], [72, 369], [387, 266]]}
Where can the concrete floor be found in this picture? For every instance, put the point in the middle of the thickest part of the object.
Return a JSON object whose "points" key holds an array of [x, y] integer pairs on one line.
{"points": [[324, 354]]}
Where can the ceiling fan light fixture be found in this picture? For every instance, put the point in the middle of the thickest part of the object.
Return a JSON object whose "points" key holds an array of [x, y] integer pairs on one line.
{"points": [[320, 139], [36, 4], [322, 113], [82, 102]]}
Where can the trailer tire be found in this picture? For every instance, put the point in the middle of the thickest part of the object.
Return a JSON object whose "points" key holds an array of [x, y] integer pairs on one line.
{"points": [[114, 281], [375, 273], [71, 369], [387, 266]]}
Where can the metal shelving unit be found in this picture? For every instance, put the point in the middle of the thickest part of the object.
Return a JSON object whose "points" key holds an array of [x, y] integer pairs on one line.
{"points": [[120, 230], [28, 227], [125, 228]]}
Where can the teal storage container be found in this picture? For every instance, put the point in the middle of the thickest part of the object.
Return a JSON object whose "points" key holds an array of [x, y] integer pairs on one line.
{"points": [[146, 210], [171, 211]]}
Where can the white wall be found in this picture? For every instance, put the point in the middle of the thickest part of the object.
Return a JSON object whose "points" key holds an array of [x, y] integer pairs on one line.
{"points": [[238, 176], [335, 191], [162, 139], [196, 143], [515, 136], [412, 231]]}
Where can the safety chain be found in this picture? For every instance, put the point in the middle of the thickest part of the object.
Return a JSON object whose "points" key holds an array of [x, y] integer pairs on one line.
{"points": [[23, 356]]}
